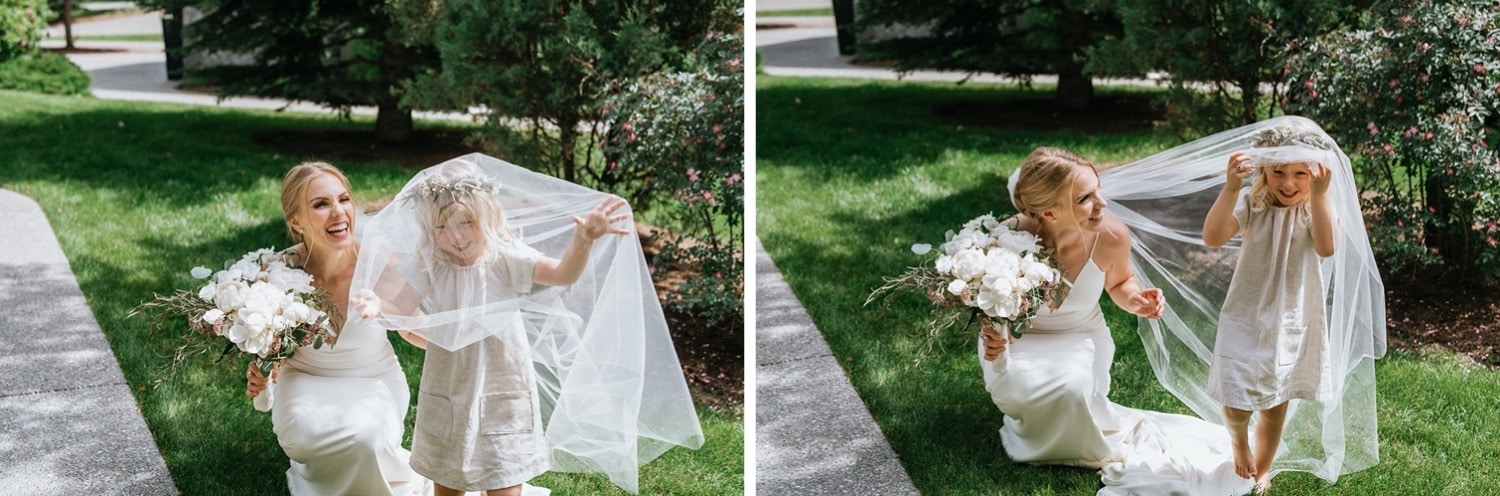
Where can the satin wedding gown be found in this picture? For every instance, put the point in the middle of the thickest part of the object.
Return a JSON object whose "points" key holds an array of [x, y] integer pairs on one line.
{"points": [[1053, 383], [338, 414]]}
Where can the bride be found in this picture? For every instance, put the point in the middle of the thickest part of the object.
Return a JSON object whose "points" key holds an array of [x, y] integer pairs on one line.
{"points": [[1053, 383]]}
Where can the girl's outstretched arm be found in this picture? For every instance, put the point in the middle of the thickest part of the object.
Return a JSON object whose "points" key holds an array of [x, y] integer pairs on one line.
{"points": [[1324, 242], [592, 226], [1220, 225]]}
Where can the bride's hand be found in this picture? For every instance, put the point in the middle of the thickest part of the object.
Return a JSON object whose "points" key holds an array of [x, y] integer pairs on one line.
{"points": [[255, 383], [1148, 303], [995, 343]]}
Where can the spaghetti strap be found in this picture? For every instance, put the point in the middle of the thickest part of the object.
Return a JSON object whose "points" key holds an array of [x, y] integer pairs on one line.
{"points": [[1091, 249]]}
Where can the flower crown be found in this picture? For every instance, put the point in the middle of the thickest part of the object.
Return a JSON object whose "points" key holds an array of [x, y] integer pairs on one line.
{"points": [[1291, 136], [437, 188]]}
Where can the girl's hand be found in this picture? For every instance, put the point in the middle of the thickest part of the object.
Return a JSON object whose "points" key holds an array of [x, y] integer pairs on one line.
{"points": [[1321, 177], [995, 343], [1239, 168], [367, 302], [255, 383], [1148, 303], [596, 223]]}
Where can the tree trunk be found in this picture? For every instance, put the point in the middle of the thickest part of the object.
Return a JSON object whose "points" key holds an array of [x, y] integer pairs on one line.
{"points": [[67, 19], [1249, 101], [393, 122], [1450, 240], [567, 137], [1075, 90]]}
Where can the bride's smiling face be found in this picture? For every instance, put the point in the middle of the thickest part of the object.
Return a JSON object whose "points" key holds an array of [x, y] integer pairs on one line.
{"points": [[1081, 203], [327, 216]]}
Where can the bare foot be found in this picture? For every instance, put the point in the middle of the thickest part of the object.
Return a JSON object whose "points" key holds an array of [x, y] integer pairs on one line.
{"points": [[1242, 465], [1262, 483]]}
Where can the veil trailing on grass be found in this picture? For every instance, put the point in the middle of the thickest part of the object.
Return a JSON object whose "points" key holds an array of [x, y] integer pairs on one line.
{"points": [[611, 390], [1164, 199]]}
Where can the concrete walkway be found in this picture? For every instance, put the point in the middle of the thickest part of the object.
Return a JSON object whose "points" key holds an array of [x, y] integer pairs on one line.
{"points": [[68, 424], [813, 435]]}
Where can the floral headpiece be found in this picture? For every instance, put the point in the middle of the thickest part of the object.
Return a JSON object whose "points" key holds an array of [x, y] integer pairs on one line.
{"points": [[1291, 136], [437, 188]]}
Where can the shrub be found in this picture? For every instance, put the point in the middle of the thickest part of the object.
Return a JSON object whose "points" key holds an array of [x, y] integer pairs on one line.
{"points": [[677, 140], [43, 72], [21, 25], [1414, 98]]}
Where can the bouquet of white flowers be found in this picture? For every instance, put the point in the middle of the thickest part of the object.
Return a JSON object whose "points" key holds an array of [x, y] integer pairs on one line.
{"points": [[995, 275], [260, 305]]}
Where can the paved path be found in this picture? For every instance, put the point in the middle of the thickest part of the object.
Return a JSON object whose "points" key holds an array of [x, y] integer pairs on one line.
{"points": [[813, 435], [68, 424]]}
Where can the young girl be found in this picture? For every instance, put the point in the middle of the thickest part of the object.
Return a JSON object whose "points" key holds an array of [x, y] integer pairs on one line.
{"points": [[1270, 347], [479, 424]]}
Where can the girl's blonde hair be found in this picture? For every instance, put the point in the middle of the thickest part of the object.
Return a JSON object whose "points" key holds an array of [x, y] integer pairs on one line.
{"points": [[460, 187], [1261, 195], [294, 187], [1044, 175]]}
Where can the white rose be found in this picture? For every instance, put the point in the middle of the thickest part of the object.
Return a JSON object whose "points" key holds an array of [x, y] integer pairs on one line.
{"points": [[968, 264], [944, 263], [207, 292], [230, 296], [957, 286], [1018, 242]]}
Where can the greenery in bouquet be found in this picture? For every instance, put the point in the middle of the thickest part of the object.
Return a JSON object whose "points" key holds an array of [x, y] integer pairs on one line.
{"points": [[994, 275], [258, 306]]}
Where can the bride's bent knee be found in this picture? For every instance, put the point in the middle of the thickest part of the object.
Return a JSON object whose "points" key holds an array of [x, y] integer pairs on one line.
{"points": [[304, 433]]}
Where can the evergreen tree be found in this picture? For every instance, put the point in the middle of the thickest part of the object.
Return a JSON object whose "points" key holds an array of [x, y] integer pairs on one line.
{"points": [[336, 53], [1013, 37]]}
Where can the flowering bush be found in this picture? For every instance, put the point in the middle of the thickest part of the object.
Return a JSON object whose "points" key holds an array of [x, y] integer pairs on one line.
{"points": [[21, 25], [261, 306], [1415, 97], [998, 276], [677, 140]]}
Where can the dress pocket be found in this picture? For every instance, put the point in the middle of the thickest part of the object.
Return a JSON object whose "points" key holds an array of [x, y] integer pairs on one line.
{"points": [[1289, 345], [434, 416], [505, 413]]}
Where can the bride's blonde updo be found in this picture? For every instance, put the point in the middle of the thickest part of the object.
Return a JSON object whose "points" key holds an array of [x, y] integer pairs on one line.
{"points": [[1042, 178], [294, 187]]}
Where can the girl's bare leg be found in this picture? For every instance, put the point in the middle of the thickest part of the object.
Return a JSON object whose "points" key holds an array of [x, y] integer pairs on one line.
{"points": [[1267, 439], [509, 491], [441, 490], [1238, 422]]}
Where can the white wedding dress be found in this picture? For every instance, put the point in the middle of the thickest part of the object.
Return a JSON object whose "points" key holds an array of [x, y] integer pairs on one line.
{"points": [[1052, 384], [338, 413]]}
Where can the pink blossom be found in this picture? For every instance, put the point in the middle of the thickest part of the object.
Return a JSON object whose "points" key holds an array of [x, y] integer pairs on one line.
{"points": [[734, 62], [1406, 19], [1490, 225], [709, 196], [30, 13], [733, 179], [692, 174], [630, 138], [1307, 84], [1490, 240], [612, 165], [1373, 129], [1427, 135], [1424, 78], [718, 128], [1449, 171], [1479, 68], [708, 36], [1424, 46], [1313, 94], [1388, 150], [1463, 20], [1394, 82], [626, 126], [1411, 131]]}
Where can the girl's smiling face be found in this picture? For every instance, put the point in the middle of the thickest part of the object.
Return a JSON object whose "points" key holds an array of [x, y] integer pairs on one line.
{"points": [[458, 236], [1289, 184]]}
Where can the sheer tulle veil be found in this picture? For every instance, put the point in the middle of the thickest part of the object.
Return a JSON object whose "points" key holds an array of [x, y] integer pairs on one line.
{"points": [[612, 392], [1164, 199]]}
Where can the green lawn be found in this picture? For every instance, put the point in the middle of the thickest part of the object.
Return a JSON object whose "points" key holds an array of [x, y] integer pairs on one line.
{"points": [[852, 173], [140, 193]]}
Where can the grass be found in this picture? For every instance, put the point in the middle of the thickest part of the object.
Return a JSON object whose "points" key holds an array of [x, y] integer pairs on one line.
{"points": [[825, 12], [140, 193], [852, 173]]}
